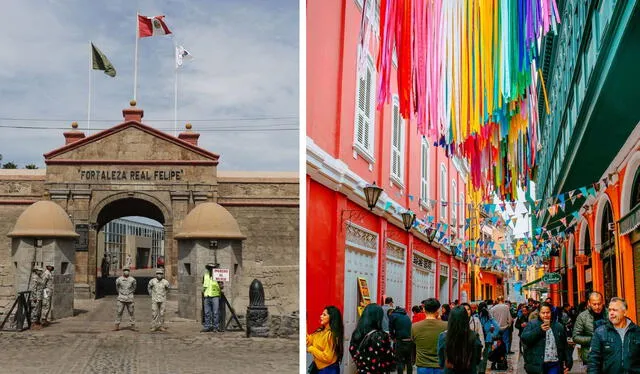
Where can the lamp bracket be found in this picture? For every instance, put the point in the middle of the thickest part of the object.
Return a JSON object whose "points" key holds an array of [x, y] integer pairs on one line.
{"points": [[350, 215]]}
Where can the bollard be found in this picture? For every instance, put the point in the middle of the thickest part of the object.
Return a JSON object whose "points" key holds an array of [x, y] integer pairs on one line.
{"points": [[257, 313]]}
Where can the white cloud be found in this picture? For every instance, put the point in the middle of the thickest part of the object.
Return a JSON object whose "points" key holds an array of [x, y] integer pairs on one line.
{"points": [[245, 66]]}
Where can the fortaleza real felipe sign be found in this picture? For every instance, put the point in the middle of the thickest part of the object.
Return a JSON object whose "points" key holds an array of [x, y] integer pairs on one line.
{"points": [[134, 175]]}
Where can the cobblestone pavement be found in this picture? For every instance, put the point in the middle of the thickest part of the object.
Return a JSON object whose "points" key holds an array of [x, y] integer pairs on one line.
{"points": [[85, 344], [516, 362]]}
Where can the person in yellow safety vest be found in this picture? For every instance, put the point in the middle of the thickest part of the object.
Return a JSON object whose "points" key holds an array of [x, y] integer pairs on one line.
{"points": [[211, 290]]}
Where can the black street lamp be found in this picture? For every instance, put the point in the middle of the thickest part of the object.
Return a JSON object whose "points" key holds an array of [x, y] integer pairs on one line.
{"points": [[372, 194], [408, 219]]}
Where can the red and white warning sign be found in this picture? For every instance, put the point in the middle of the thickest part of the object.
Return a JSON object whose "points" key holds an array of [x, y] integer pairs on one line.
{"points": [[221, 275]]}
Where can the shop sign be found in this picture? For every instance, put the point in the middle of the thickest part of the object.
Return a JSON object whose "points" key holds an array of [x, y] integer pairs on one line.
{"points": [[365, 298], [552, 278]]}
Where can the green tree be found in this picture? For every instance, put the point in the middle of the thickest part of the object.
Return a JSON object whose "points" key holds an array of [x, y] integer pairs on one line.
{"points": [[31, 166], [9, 165]]}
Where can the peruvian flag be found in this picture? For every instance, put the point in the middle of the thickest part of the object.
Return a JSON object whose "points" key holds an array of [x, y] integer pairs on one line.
{"points": [[152, 26]]}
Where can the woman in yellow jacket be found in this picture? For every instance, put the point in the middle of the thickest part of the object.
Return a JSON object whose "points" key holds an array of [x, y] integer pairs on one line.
{"points": [[326, 343]]}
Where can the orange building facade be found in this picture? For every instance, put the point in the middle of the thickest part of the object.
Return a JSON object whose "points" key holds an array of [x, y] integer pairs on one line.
{"points": [[604, 252], [350, 144]]}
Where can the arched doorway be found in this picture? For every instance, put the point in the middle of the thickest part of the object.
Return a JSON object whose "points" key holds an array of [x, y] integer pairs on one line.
{"points": [[608, 252], [129, 232], [586, 249], [574, 298]]}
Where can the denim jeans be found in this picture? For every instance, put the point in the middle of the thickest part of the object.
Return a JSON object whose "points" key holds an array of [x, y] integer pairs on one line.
{"points": [[331, 369], [551, 368], [429, 370], [404, 350], [211, 306], [506, 336]]}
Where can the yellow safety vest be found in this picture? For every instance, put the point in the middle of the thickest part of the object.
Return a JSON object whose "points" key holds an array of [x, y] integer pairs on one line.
{"points": [[210, 286]]}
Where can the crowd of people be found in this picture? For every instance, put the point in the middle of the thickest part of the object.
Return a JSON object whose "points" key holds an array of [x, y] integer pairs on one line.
{"points": [[465, 338]]}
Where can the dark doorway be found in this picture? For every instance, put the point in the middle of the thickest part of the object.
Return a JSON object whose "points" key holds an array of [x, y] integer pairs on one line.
{"points": [[131, 234], [608, 254], [143, 259], [587, 269]]}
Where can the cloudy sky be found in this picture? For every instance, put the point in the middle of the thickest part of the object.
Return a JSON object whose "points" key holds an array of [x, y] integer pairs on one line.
{"points": [[240, 91]]}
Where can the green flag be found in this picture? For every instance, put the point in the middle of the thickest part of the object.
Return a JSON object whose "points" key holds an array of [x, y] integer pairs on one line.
{"points": [[101, 62]]}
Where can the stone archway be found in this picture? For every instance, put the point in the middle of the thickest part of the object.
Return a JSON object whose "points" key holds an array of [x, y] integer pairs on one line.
{"points": [[584, 247], [628, 184], [119, 205], [605, 245]]}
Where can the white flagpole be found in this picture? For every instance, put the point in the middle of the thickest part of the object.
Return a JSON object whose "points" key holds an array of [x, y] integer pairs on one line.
{"points": [[135, 62], [90, 85], [175, 93]]}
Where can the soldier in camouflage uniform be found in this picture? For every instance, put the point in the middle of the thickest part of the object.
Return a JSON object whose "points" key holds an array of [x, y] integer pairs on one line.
{"points": [[158, 288], [47, 295], [126, 286], [36, 287]]}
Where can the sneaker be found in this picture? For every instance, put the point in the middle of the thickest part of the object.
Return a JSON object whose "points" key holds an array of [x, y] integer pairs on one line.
{"points": [[163, 328], [133, 328]]}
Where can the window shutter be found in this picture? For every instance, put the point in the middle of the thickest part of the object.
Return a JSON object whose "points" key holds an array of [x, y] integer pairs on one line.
{"points": [[367, 110], [395, 140], [361, 117], [425, 171]]}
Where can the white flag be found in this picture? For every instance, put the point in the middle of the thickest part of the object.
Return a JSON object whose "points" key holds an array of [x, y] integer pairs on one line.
{"points": [[182, 55]]}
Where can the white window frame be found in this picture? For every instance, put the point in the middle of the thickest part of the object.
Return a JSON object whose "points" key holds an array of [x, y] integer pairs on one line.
{"points": [[443, 191], [454, 205], [424, 173], [463, 214], [365, 147], [397, 143]]}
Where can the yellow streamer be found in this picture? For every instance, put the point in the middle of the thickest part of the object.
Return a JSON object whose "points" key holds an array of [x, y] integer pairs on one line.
{"points": [[544, 91]]}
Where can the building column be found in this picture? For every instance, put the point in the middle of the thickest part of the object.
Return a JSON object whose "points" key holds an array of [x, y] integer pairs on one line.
{"points": [[383, 226], [409, 273]]}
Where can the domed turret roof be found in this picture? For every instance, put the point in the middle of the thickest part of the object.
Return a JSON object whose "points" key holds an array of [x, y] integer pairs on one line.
{"points": [[209, 221], [44, 219]]}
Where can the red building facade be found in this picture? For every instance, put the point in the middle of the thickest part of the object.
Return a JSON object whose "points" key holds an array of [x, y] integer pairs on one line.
{"points": [[351, 144]]}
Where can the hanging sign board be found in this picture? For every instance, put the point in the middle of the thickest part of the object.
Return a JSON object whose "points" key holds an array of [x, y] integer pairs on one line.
{"points": [[364, 298], [552, 278]]}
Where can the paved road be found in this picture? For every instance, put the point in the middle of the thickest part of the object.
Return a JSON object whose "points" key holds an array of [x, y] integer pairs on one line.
{"points": [[85, 344], [516, 362]]}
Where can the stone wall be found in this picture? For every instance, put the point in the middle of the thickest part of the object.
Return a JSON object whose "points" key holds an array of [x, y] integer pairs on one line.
{"points": [[265, 205], [18, 189], [271, 254]]}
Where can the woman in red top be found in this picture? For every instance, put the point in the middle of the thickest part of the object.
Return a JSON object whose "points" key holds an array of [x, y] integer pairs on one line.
{"points": [[418, 314]]}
